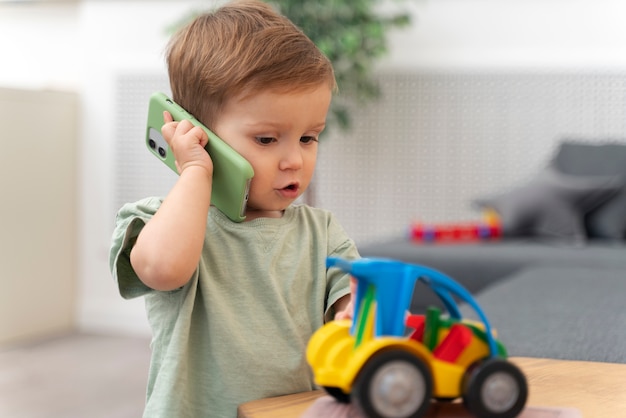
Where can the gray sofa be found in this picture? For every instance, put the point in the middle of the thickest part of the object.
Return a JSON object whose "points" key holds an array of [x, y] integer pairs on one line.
{"points": [[551, 288]]}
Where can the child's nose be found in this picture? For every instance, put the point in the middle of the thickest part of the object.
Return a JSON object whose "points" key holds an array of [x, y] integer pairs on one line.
{"points": [[292, 158]]}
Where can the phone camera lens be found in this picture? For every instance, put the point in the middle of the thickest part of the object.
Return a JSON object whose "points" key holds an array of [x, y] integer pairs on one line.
{"points": [[162, 152], [152, 144]]}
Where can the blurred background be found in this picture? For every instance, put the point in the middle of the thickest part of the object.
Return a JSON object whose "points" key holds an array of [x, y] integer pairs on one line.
{"points": [[475, 95]]}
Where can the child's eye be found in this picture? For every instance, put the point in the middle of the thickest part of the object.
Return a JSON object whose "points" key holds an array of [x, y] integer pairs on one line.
{"points": [[264, 140], [308, 139]]}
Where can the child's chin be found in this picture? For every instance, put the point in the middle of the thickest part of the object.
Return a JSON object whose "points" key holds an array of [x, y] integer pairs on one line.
{"points": [[273, 211]]}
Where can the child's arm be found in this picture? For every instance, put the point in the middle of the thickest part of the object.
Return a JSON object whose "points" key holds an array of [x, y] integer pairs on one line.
{"points": [[169, 246], [344, 307]]}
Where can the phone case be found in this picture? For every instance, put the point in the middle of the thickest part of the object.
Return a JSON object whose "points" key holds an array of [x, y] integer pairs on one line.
{"points": [[231, 172]]}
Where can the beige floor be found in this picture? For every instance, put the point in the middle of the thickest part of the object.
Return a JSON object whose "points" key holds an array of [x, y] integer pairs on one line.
{"points": [[75, 376]]}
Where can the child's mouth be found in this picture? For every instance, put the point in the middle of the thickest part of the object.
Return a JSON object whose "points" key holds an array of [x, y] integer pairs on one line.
{"points": [[290, 191]]}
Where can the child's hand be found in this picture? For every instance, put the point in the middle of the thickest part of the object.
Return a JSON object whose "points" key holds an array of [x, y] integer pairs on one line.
{"points": [[345, 310], [187, 142], [345, 313]]}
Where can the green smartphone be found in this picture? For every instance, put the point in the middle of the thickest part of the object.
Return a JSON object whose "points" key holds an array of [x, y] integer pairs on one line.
{"points": [[232, 173]]}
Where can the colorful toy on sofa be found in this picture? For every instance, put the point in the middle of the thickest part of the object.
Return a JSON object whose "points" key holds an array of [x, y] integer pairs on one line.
{"points": [[487, 229], [373, 363]]}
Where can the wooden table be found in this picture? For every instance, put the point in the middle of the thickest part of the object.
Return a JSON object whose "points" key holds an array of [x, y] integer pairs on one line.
{"points": [[597, 390]]}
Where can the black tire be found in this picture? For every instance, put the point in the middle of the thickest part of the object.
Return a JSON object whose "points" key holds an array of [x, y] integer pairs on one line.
{"points": [[393, 384], [338, 394], [494, 388]]}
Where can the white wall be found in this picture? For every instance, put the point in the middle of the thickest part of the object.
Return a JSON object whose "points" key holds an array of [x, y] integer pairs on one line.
{"points": [[518, 34], [40, 46], [83, 46]]}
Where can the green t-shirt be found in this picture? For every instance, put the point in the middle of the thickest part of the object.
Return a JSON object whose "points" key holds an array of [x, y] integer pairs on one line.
{"points": [[238, 330]]}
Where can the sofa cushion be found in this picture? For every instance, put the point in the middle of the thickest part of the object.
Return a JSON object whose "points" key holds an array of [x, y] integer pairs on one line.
{"points": [[552, 204], [607, 221], [571, 313]]}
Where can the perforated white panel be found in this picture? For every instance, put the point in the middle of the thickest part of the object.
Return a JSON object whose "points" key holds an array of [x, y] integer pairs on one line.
{"points": [[425, 150], [437, 141], [138, 173]]}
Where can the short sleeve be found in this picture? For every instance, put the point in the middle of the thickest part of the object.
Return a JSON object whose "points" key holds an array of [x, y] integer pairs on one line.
{"points": [[338, 282], [130, 220]]}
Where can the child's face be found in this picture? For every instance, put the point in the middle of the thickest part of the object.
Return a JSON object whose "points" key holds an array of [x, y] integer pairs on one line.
{"points": [[277, 133]]}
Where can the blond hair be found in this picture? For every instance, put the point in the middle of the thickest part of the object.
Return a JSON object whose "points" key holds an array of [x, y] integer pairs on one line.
{"points": [[240, 49]]}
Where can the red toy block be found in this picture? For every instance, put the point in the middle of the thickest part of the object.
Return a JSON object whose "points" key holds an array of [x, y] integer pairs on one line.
{"points": [[455, 232], [416, 322], [453, 345]]}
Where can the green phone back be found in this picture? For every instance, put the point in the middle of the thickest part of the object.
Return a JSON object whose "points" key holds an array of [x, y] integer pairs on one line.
{"points": [[231, 172]]}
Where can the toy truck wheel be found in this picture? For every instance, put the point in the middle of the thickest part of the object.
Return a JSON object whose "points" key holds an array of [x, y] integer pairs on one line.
{"points": [[338, 394], [393, 384], [494, 388]]}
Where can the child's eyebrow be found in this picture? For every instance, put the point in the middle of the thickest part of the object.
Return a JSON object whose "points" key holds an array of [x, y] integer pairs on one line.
{"points": [[282, 126], [320, 127], [261, 123]]}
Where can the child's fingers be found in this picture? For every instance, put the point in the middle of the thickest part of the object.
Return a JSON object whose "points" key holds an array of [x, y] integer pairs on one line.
{"points": [[185, 127], [168, 130], [201, 135], [180, 135], [172, 129], [346, 313]]}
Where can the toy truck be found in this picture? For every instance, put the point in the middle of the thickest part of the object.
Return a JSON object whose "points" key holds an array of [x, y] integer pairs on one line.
{"points": [[391, 364]]}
